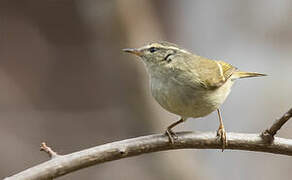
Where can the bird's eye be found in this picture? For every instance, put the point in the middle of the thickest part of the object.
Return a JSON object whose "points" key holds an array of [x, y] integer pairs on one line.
{"points": [[152, 49]]}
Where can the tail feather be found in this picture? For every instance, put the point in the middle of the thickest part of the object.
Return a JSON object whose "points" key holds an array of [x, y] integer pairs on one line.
{"points": [[240, 74]]}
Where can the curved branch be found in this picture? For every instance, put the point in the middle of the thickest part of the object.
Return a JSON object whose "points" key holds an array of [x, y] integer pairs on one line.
{"points": [[64, 164]]}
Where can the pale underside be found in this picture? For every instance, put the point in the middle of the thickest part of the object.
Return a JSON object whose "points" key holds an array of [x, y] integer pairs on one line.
{"points": [[186, 101], [191, 87]]}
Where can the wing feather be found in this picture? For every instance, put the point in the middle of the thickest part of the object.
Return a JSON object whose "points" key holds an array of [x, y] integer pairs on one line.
{"points": [[199, 71]]}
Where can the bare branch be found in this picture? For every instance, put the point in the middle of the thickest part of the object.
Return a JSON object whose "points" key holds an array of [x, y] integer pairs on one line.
{"points": [[65, 164], [48, 150], [268, 134]]}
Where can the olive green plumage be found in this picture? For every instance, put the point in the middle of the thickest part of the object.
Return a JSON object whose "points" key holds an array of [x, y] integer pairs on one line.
{"points": [[187, 84]]}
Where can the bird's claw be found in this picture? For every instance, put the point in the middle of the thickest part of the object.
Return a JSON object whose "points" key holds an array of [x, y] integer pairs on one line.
{"points": [[171, 136], [221, 134]]}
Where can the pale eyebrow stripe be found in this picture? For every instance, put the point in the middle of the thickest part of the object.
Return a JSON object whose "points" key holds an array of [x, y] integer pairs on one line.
{"points": [[169, 47]]}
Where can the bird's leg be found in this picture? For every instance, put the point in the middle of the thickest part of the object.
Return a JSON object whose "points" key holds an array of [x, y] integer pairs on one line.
{"points": [[221, 133], [171, 135]]}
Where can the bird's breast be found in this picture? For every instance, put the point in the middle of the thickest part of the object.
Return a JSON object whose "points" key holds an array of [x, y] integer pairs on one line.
{"points": [[185, 100]]}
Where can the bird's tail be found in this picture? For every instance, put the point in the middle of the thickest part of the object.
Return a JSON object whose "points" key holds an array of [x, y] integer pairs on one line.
{"points": [[241, 74]]}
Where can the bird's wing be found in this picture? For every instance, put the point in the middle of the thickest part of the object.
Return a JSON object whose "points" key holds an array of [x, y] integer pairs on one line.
{"points": [[210, 74], [227, 69]]}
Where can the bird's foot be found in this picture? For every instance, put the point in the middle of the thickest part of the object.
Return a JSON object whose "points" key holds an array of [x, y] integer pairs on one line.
{"points": [[171, 135], [221, 134]]}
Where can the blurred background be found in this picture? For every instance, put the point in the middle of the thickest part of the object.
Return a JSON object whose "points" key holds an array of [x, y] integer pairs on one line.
{"points": [[64, 80]]}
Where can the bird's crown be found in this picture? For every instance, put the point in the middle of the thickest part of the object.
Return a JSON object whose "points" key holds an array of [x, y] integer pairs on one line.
{"points": [[163, 45]]}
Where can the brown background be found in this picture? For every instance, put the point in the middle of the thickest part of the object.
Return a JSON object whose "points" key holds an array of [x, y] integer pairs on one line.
{"points": [[64, 80]]}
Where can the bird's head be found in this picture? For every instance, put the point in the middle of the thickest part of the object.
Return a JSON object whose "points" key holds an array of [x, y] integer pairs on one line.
{"points": [[157, 53]]}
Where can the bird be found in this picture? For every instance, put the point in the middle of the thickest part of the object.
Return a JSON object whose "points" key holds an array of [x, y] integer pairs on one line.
{"points": [[187, 84]]}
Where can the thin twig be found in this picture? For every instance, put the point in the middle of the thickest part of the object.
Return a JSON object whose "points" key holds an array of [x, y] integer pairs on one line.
{"points": [[65, 164], [268, 134], [48, 150]]}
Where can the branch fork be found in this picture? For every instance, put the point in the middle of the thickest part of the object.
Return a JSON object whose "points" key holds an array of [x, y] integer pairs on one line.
{"points": [[268, 134]]}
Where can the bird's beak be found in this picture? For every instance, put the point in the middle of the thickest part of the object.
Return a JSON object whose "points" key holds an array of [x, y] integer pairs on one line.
{"points": [[133, 51]]}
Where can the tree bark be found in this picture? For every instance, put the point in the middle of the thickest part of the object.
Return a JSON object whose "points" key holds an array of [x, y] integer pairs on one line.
{"points": [[64, 164]]}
